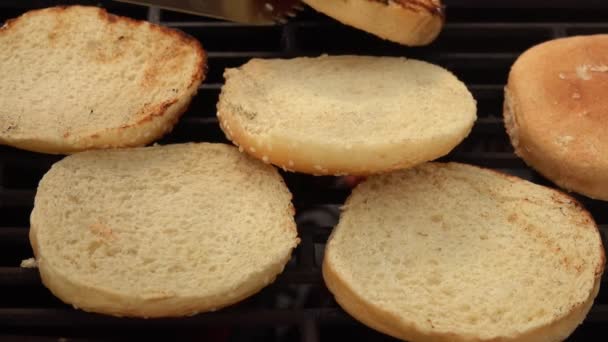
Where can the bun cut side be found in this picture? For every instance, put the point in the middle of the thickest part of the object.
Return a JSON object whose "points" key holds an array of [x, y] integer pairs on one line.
{"points": [[77, 78], [161, 231], [336, 115], [452, 252]]}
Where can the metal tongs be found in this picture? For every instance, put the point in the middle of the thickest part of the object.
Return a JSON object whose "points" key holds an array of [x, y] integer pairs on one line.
{"points": [[255, 12]]}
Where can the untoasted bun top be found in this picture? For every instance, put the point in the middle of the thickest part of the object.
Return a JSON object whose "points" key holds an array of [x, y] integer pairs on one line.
{"points": [[557, 93], [345, 114], [77, 78], [161, 231], [452, 252]]}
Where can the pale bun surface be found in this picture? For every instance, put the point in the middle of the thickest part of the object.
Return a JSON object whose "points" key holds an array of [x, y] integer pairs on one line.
{"points": [[452, 252], [336, 115], [161, 231]]}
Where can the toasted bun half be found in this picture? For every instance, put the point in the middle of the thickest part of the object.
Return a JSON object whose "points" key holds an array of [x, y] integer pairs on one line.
{"points": [[77, 78], [452, 252], [335, 115], [556, 112], [408, 22], [161, 231]]}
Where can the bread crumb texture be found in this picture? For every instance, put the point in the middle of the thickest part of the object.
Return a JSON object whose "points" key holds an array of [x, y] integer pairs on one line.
{"points": [[161, 231], [345, 114], [451, 252], [77, 77]]}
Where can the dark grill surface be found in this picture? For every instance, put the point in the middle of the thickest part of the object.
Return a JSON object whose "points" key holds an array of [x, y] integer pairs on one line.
{"points": [[481, 40]]}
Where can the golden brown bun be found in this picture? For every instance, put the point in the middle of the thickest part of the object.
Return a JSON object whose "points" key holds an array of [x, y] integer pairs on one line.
{"points": [[556, 112], [408, 22], [77, 78]]}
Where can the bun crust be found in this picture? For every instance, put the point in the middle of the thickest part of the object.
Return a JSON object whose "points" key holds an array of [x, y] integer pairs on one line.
{"points": [[408, 22], [556, 113]]}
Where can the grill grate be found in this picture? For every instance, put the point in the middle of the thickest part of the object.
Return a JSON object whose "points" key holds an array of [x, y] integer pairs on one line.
{"points": [[479, 44]]}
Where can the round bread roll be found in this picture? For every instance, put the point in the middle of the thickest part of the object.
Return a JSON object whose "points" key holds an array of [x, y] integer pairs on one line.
{"points": [[161, 231], [556, 112], [408, 22], [77, 78], [337, 115], [451, 252]]}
